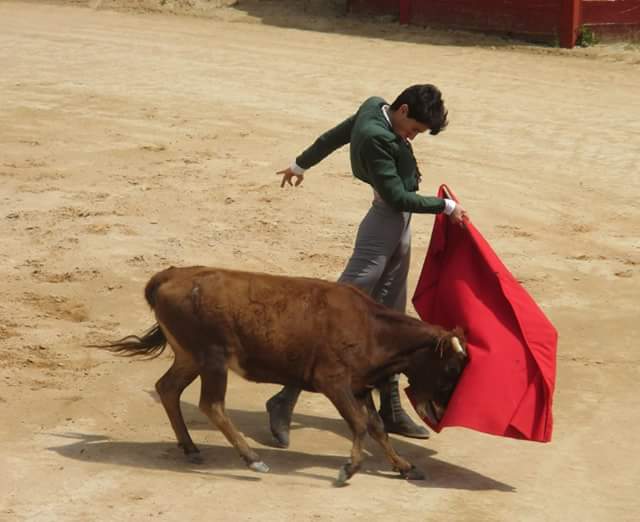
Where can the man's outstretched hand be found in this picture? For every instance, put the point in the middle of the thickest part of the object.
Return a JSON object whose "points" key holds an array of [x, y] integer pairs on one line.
{"points": [[287, 175]]}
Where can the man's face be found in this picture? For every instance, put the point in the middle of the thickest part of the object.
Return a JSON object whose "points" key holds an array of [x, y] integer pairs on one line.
{"points": [[404, 126]]}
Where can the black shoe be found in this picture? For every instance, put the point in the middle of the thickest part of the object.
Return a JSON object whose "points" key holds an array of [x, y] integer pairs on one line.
{"points": [[395, 419], [280, 409]]}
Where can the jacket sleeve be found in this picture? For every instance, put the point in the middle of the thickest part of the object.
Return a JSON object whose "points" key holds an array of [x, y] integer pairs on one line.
{"points": [[327, 143], [384, 178]]}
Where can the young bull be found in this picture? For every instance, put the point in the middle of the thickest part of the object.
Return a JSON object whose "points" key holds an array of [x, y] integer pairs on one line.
{"points": [[319, 336]]}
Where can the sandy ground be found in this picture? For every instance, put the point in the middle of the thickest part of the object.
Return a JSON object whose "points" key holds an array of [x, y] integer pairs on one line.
{"points": [[129, 142]]}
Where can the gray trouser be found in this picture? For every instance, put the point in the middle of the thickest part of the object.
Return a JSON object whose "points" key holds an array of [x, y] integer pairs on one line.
{"points": [[379, 264]]}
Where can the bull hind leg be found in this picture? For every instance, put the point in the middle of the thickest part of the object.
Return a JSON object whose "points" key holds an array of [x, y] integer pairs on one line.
{"points": [[376, 429], [214, 387], [354, 413], [170, 387]]}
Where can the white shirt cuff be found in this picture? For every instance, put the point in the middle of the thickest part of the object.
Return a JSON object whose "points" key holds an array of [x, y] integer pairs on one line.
{"points": [[297, 169], [449, 206]]}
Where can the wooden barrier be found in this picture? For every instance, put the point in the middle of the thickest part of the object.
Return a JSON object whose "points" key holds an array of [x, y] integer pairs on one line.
{"points": [[551, 20]]}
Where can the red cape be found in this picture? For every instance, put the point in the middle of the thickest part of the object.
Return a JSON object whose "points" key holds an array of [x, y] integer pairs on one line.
{"points": [[507, 386]]}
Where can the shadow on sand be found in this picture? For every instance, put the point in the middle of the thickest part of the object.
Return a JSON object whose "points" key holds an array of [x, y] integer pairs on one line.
{"points": [[254, 425], [333, 16]]}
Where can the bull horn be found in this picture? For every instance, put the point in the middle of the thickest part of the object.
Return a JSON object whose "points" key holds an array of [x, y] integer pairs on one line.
{"points": [[455, 342]]}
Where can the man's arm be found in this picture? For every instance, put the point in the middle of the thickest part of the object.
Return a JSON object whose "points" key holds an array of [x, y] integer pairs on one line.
{"points": [[386, 181], [328, 142]]}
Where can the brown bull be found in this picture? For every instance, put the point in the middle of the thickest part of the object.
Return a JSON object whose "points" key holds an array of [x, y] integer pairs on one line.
{"points": [[319, 336]]}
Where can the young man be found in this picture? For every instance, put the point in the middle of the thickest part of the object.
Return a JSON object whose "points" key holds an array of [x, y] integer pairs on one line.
{"points": [[381, 155]]}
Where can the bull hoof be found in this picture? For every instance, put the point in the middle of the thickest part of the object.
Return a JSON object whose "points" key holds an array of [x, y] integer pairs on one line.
{"points": [[194, 458], [259, 466], [413, 474], [191, 453]]}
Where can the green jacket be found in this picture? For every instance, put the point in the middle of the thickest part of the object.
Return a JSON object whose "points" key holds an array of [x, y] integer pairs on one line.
{"points": [[379, 157]]}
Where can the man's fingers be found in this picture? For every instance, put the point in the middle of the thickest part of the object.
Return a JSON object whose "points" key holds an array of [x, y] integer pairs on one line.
{"points": [[459, 216], [287, 175]]}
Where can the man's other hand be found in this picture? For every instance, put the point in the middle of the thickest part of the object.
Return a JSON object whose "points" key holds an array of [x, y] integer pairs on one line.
{"points": [[287, 175]]}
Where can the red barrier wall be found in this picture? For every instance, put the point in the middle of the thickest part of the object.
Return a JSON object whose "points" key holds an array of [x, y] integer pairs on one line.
{"points": [[545, 19], [553, 20], [516, 16], [607, 12], [612, 16]]}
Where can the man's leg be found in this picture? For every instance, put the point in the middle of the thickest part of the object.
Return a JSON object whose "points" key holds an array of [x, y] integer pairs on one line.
{"points": [[392, 292], [391, 287], [376, 241], [280, 408]]}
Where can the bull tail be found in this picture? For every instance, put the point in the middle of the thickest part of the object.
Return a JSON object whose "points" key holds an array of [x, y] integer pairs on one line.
{"points": [[151, 344]]}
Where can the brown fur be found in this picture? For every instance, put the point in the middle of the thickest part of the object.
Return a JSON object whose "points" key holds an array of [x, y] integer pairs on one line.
{"points": [[317, 335]]}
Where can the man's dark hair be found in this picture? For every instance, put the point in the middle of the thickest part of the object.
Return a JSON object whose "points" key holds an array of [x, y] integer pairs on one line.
{"points": [[425, 105]]}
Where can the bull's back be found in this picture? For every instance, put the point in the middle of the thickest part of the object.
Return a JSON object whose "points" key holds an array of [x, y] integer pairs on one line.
{"points": [[274, 328]]}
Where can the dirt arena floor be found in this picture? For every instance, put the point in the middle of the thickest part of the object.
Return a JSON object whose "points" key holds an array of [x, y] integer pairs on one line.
{"points": [[130, 141]]}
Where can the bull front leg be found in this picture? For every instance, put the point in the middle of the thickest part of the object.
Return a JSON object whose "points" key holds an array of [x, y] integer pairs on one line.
{"points": [[375, 426], [355, 414]]}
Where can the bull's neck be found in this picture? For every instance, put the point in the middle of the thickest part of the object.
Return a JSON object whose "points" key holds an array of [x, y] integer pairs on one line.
{"points": [[399, 336]]}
